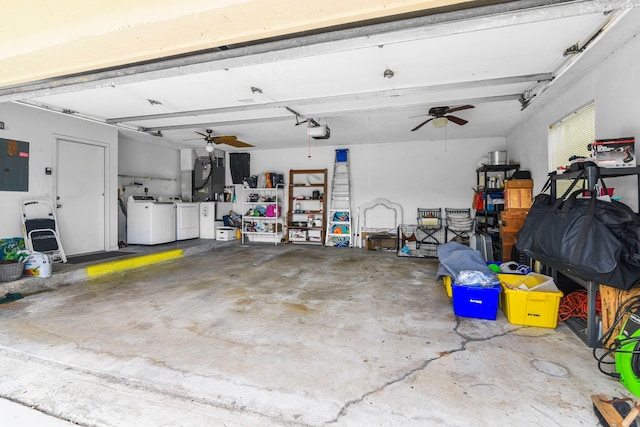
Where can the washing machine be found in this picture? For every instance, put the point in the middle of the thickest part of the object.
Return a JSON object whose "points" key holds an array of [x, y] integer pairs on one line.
{"points": [[207, 220], [187, 217], [150, 222]]}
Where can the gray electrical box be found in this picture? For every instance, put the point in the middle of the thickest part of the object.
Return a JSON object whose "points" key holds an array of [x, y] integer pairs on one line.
{"points": [[14, 165]]}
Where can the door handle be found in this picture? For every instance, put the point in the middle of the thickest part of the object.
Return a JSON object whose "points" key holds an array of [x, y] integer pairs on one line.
{"points": [[58, 206]]}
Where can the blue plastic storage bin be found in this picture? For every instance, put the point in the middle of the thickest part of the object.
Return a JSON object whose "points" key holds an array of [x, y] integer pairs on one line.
{"points": [[341, 155], [480, 302]]}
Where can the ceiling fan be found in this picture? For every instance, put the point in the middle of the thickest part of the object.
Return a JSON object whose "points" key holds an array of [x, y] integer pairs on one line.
{"points": [[222, 139], [440, 117]]}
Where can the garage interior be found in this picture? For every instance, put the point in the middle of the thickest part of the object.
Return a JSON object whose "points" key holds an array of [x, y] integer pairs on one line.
{"points": [[122, 102]]}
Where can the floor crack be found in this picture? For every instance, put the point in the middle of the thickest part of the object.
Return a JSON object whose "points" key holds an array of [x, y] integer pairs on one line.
{"points": [[466, 339]]}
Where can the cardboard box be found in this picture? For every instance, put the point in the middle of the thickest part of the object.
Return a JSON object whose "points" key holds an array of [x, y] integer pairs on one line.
{"points": [[614, 153], [226, 233], [315, 235], [518, 194], [380, 241], [297, 235]]}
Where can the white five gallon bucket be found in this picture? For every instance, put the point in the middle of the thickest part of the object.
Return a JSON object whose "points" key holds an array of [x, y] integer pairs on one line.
{"points": [[38, 264]]}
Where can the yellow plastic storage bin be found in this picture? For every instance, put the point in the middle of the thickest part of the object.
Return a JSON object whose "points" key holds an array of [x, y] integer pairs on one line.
{"points": [[537, 307], [447, 285]]}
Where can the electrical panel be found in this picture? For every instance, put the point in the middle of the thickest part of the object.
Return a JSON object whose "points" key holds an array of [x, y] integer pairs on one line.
{"points": [[14, 165]]}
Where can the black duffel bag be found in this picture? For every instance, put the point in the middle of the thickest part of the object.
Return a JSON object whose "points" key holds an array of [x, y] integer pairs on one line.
{"points": [[590, 238]]}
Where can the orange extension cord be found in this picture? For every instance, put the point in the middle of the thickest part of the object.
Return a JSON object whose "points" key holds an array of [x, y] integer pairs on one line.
{"points": [[575, 305]]}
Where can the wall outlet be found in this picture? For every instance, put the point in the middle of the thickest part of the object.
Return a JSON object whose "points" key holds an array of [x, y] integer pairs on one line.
{"points": [[1, 125]]}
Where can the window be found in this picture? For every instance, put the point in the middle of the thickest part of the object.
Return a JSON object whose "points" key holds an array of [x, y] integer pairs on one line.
{"points": [[571, 136]]}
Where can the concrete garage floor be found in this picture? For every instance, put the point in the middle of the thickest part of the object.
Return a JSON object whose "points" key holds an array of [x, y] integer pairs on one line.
{"points": [[255, 335]]}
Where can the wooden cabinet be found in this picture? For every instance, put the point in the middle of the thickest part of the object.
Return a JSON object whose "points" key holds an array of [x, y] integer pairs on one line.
{"points": [[307, 210]]}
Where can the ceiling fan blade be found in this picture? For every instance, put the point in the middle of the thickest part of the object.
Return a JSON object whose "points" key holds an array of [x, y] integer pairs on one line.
{"points": [[231, 140], [457, 120], [200, 133], [462, 107], [421, 124]]}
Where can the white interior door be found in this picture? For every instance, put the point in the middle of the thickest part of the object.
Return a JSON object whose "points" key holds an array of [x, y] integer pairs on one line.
{"points": [[81, 196]]}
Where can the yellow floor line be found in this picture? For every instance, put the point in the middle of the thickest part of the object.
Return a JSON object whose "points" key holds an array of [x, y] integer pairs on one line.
{"points": [[132, 263]]}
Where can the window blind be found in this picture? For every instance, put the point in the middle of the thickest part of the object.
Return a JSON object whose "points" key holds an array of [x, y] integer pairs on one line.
{"points": [[571, 136]]}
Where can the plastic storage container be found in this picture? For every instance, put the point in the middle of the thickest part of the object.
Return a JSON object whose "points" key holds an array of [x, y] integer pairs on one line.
{"points": [[38, 264], [536, 306], [447, 285], [480, 302]]}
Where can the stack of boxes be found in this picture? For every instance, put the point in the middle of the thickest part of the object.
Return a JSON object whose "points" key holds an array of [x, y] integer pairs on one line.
{"points": [[518, 196]]}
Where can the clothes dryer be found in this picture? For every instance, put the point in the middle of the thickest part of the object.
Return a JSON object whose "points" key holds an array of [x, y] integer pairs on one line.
{"points": [[187, 217]]}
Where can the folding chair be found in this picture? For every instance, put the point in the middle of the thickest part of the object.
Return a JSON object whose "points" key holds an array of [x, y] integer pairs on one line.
{"points": [[460, 223], [429, 223], [39, 228]]}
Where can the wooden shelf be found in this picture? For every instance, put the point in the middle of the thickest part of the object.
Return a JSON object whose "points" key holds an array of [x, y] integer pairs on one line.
{"points": [[298, 196]]}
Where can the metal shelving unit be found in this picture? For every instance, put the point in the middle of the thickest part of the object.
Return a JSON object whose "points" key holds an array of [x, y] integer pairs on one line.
{"points": [[262, 214]]}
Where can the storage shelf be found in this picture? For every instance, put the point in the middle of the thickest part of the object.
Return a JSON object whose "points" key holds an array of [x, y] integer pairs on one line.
{"points": [[249, 222], [300, 195], [261, 232], [305, 212], [482, 215], [484, 212], [273, 218]]}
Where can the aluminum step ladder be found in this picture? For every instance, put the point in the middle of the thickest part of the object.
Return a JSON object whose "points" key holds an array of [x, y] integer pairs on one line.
{"points": [[339, 230]]}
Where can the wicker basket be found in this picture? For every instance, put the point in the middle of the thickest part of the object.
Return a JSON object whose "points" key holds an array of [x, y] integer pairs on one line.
{"points": [[10, 270]]}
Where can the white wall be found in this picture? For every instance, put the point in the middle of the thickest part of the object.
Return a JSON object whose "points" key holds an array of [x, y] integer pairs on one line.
{"points": [[41, 128], [149, 163], [428, 174], [613, 84]]}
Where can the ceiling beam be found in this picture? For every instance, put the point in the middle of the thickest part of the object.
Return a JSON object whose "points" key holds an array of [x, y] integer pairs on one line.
{"points": [[331, 113], [540, 77]]}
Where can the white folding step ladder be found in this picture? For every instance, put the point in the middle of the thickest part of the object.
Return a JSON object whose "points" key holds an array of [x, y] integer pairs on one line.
{"points": [[40, 228], [339, 231]]}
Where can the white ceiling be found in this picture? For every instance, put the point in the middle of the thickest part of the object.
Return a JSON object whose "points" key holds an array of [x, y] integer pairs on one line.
{"points": [[488, 61]]}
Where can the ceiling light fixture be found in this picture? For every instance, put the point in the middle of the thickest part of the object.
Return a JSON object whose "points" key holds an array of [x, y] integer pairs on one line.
{"points": [[209, 147], [388, 73], [440, 122]]}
